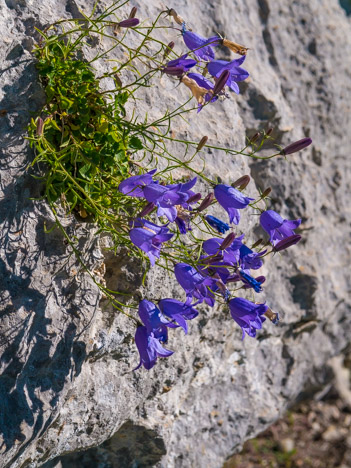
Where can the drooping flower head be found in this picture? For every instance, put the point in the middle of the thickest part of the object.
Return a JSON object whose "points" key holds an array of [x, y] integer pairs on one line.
{"points": [[179, 66], [277, 227], [149, 348], [178, 311], [153, 320], [166, 197], [250, 260], [247, 314], [231, 200], [236, 73], [133, 186], [195, 284], [200, 46], [149, 237], [231, 254]]}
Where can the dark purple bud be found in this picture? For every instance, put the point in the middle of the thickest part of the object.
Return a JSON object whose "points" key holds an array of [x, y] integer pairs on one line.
{"points": [[147, 210], [169, 48], [212, 259], [242, 182], [260, 279], [202, 143], [233, 278], [254, 138], [195, 198], [272, 316], [227, 241], [269, 131], [206, 202], [287, 242], [257, 243], [129, 23], [133, 12], [221, 82], [296, 146], [40, 126], [173, 71], [266, 192]]}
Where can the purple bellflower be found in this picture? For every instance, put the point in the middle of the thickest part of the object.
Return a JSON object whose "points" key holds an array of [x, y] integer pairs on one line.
{"points": [[277, 227], [236, 73], [149, 237], [231, 254], [247, 314], [153, 320], [183, 62], [194, 283], [250, 260], [231, 200], [178, 311], [166, 197], [133, 186], [217, 224], [199, 45], [149, 348]]}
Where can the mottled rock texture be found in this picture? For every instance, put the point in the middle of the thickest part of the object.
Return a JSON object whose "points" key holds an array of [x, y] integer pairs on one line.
{"points": [[66, 357]]}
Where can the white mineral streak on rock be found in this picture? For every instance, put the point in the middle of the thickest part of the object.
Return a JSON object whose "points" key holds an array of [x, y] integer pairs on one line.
{"points": [[66, 382]]}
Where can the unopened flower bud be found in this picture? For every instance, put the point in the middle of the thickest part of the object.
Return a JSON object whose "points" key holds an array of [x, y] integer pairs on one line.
{"points": [[221, 82], [178, 19], [272, 316], [212, 259], [133, 12], [242, 182], [206, 202], [40, 126], [257, 243], [269, 131], [173, 71], [147, 210], [254, 138], [227, 241], [261, 279], [129, 23], [168, 50], [287, 242], [234, 47], [202, 143], [195, 198], [296, 146], [266, 192]]}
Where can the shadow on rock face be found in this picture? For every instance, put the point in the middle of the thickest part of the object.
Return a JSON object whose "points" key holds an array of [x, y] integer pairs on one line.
{"points": [[132, 446]]}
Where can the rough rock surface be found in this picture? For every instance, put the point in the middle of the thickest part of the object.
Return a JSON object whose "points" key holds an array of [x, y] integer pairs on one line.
{"points": [[66, 358]]}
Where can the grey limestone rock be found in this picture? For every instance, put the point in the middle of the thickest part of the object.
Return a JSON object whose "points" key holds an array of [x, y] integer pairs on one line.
{"points": [[66, 383]]}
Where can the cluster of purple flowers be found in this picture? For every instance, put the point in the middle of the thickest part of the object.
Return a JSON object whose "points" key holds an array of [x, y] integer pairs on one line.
{"points": [[224, 73], [223, 261]]}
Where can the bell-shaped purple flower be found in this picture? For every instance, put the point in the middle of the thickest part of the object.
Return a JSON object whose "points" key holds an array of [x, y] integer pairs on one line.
{"points": [[231, 254], [250, 260], [247, 314], [133, 186], [154, 321], [183, 62], [277, 227], [166, 197], [236, 73], [199, 45], [231, 200], [149, 238], [194, 283], [178, 311], [149, 348]]}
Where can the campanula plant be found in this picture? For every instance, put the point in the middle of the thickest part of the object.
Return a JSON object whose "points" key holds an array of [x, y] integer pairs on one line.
{"points": [[105, 165]]}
